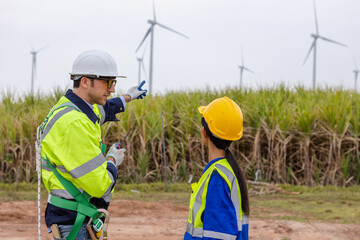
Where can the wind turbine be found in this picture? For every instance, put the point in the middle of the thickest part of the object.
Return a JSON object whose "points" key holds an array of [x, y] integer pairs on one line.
{"points": [[242, 68], [141, 65], [356, 71], [150, 31], [313, 45], [33, 67]]}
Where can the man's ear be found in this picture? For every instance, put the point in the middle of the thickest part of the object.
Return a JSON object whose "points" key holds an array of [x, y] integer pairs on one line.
{"points": [[85, 82]]}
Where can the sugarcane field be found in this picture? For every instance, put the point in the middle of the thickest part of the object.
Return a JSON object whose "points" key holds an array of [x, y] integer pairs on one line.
{"points": [[303, 173]]}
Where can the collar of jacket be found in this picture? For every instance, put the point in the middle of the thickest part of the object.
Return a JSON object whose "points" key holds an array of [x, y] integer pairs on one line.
{"points": [[211, 163], [82, 105]]}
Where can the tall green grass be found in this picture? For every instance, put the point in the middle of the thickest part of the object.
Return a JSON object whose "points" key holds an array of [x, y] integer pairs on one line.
{"points": [[295, 136]]}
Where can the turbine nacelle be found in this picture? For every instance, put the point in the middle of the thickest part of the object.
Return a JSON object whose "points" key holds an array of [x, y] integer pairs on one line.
{"points": [[316, 36], [152, 22]]}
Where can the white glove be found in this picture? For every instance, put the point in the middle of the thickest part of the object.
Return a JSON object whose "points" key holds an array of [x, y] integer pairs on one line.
{"points": [[117, 154], [136, 92]]}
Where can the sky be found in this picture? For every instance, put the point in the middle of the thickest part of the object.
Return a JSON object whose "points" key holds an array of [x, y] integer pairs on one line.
{"points": [[273, 37]]}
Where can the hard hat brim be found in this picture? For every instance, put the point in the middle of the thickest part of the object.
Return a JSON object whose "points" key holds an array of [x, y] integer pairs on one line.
{"points": [[86, 74], [201, 109]]}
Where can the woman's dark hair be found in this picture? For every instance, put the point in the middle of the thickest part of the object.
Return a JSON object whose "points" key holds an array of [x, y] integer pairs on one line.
{"points": [[225, 144]]}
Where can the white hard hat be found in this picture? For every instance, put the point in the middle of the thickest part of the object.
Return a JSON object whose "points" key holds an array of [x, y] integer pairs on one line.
{"points": [[94, 63]]}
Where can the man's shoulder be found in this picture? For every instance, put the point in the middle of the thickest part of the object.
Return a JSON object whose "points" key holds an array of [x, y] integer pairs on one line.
{"points": [[67, 113]]}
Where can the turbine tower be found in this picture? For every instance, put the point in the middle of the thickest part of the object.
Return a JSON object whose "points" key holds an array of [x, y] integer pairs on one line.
{"points": [[356, 72], [141, 66], [33, 67], [314, 45], [150, 31], [242, 68]]}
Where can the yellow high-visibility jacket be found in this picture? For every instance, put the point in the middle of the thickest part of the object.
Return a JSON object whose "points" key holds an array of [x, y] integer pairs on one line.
{"points": [[72, 142]]}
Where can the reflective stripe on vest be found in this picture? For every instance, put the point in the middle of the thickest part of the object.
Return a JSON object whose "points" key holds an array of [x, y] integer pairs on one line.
{"points": [[200, 232], [82, 169], [198, 201], [68, 108], [62, 193], [217, 235]]}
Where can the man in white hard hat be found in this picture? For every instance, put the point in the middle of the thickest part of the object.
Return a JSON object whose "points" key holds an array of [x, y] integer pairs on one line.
{"points": [[78, 174]]}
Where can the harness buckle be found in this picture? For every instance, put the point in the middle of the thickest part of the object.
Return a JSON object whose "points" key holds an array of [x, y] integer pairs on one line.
{"points": [[97, 224], [97, 228]]}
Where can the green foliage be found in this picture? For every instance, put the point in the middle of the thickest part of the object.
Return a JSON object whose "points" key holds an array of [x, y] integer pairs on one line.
{"points": [[283, 118]]}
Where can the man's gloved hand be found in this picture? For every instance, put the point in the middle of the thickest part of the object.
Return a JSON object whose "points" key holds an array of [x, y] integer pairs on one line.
{"points": [[117, 154], [136, 92]]}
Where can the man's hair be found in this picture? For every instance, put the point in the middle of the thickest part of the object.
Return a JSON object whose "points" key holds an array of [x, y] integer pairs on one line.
{"points": [[76, 83]]}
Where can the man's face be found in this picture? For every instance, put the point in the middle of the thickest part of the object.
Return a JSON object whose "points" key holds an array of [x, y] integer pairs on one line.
{"points": [[99, 92]]}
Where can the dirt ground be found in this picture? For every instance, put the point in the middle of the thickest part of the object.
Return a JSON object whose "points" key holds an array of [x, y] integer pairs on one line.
{"points": [[164, 221]]}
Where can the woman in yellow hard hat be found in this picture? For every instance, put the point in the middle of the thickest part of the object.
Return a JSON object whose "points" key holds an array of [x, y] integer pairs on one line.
{"points": [[219, 203]]}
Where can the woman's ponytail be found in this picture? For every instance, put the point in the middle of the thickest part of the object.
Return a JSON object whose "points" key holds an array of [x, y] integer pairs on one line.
{"points": [[241, 180]]}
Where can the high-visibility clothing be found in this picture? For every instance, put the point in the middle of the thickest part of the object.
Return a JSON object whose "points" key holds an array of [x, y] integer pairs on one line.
{"points": [[215, 205], [72, 142]]}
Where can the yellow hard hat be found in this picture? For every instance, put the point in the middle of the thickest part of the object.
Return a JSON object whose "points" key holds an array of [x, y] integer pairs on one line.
{"points": [[224, 118]]}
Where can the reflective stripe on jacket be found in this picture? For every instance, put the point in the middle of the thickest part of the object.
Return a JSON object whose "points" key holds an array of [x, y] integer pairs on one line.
{"points": [[205, 212]]}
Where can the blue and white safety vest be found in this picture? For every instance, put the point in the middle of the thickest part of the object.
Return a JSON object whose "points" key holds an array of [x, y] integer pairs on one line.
{"points": [[215, 205]]}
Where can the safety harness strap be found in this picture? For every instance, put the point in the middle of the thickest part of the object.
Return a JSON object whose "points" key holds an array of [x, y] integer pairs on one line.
{"points": [[84, 209], [82, 205]]}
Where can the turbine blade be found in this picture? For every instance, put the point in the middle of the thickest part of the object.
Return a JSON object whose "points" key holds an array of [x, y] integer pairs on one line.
{"points": [[143, 68], [172, 30], [32, 46], [332, 41], [147, 34], [316, 21], [42, 48], [248, 70], [154, 11], [142, 57], [307, 55]]}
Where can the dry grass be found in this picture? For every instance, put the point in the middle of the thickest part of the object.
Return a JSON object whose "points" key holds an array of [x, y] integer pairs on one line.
{"points": [[295, 136]]}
